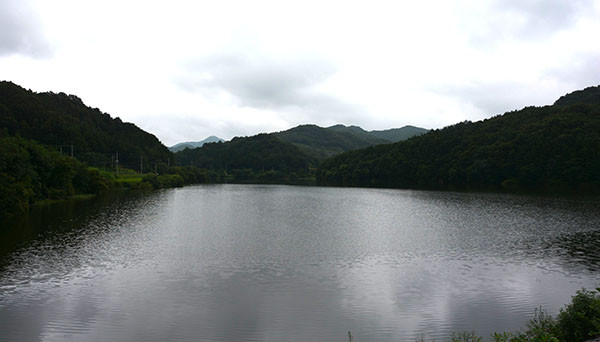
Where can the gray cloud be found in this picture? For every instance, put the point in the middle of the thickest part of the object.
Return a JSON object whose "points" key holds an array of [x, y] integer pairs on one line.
{"points": [[269, 84], [20, 32], [584, 71], [542, 16], [499, 97], [179, 128], [525, 19]]}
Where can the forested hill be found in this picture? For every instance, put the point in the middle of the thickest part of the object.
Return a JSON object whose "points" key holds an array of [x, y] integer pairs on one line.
{"points": [[399, 134], [553, 148], [590, 95], [320, 143], [282, 156], [247, 158], [61, 120]]}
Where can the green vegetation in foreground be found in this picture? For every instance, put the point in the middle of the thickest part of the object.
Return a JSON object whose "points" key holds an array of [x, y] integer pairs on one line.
{"points": [[552, 149], [578, 321], [31, 173], [165, 177], [77, 197], [53, 147]]}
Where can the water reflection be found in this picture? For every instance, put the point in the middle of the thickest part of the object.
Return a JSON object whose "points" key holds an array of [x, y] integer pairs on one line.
{"points": [[274, 263], [576, 251]]}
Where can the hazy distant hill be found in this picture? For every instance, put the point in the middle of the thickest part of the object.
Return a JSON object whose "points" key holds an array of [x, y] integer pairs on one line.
{"points": [[193, 144], [551, 148], [61, 120], [399, 134], [320, 143]]}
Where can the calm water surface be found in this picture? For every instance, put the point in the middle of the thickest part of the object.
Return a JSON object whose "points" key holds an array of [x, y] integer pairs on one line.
{"points": [[281, 263]]}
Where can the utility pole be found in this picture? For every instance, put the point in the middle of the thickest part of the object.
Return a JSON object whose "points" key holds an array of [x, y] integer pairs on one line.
{"points": [[117, 163], [60, 149], [155, 172], [141, 164], [169, 162]]}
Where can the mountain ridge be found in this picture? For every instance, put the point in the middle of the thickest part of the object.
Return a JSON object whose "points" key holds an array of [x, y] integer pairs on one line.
{"points": [[532, 149], [324, 142], [193, 144], [315, 142], [554, 148]]}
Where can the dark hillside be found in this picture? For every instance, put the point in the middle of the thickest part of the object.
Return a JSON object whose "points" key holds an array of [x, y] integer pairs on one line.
{"points": [[258, 153], [399, 134], [59, 120], [589, 96], [552, 148], [30, 172]]}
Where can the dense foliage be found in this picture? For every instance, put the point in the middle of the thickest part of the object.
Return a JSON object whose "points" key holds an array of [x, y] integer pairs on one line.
{"points": [[37, 163], [590, 95], [551, 148], [59, 121], [29, 172], [283, 157], [262, 158]]}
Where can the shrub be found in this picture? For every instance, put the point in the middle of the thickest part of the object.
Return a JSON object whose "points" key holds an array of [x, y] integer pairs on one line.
{"points": [[580, 320], [541, 328]]}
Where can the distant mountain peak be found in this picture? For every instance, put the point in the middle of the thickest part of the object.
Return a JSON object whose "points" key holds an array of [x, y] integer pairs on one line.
{"points": [[194, 144], [322, 142]]}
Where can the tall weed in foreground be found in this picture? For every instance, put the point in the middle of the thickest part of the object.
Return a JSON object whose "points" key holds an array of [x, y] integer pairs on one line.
{"points": [[541, 328]]}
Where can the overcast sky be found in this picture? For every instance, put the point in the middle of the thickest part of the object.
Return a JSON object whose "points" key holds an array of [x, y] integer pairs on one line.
{"points": [[184, 70]]}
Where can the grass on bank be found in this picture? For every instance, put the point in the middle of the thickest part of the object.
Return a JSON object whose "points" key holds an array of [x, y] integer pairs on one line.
{"points": [[76, 197]]}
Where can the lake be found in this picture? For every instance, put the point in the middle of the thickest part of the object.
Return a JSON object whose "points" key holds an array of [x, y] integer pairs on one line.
{"points": [[286, 263]]}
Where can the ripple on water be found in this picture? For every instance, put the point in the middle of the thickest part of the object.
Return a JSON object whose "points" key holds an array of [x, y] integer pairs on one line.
{"points": [[291, 263]]}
